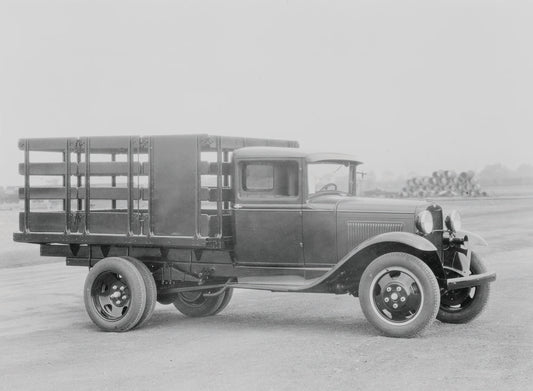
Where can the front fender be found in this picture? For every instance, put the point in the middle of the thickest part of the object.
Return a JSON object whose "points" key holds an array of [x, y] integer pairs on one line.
{"points": [[406, 238], [349, 269]]}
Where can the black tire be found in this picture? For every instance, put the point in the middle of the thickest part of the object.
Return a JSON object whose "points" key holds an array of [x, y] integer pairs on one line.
{"points": [[151, 290], [399, 295], [115, 294], [228, 294], [195, 304], [166, 299], [464, 305]]}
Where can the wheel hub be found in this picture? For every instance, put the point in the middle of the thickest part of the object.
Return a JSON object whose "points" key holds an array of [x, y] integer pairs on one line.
{"points": [[396, 296], [111, 296], [119, 294]]}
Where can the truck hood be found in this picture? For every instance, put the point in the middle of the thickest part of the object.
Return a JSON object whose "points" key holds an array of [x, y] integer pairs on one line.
{"points": [[367, 205], [380, 205]]}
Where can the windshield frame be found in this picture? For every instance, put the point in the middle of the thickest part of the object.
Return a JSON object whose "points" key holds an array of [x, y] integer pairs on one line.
{"points": [[352, 177]]}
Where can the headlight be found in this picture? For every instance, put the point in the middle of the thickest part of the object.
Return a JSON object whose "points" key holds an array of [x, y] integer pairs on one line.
{"points": [[453, 221], [424, 222]]}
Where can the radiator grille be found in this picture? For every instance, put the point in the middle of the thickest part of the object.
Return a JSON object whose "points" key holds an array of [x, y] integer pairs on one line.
{"points": [[436, 236], [359, 231]]}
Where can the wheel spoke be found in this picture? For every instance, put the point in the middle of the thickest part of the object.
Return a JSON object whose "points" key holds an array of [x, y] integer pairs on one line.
{"points": [[104, 299], [117, 312], [111, 296]]}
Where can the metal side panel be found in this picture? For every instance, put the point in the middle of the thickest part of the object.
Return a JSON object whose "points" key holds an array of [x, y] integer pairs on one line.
{"points": [[43, 221], [174, 169], [110, 223]]}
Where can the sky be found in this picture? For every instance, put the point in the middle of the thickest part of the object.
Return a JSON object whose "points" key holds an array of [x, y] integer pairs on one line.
{"points": [[408, 87]]}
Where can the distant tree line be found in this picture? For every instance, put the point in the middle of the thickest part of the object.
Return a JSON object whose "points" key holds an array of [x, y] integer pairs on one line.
{"points": [[498, 174]]}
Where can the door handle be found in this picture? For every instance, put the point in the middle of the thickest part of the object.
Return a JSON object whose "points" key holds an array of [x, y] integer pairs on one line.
{"points": [[237, 206]]}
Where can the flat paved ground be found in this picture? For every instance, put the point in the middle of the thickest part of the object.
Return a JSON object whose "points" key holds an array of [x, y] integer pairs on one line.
{"points": [[267, 341]]}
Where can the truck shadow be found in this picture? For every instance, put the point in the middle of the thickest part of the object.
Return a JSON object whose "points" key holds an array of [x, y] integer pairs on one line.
{"points": [[264, 321]]}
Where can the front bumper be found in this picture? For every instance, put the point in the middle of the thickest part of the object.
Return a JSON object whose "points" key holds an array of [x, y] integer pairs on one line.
{"points": [[470, 281]]}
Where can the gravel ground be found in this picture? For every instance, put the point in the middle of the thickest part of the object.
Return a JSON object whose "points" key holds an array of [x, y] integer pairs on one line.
{"points": [[269, 341]]}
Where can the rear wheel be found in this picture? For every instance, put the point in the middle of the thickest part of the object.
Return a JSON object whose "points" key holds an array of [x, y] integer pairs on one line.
{"points": [[166, 298], [399, 295], [228, 294], [115, 294], [464, 305], [197, 304], [151, 289]]}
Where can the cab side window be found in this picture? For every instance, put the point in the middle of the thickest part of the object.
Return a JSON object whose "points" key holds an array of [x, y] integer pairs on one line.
{"points": [[269, 179]]}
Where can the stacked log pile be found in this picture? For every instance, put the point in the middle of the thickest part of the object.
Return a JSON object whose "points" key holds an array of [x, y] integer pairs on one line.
{"points": [[443, 183]]}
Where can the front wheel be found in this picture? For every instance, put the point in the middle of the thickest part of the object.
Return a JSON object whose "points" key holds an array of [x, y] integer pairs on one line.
{"points": [[464, 305], [399, 295]]}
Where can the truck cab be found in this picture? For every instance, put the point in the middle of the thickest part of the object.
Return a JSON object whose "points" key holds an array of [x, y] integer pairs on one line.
{"points": [[284, 208]]}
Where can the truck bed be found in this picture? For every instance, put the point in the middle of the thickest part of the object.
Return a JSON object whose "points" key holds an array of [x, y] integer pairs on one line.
{"points": [[168, 191]]}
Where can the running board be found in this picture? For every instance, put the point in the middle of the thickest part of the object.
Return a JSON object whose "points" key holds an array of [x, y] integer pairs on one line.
{"points": [[273, 287]]}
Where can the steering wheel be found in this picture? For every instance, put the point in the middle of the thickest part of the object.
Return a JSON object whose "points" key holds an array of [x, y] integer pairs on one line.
{"points": [[329, 187]]}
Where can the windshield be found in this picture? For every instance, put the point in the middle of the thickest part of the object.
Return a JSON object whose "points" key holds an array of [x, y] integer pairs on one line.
{"points": [[324, 176]]}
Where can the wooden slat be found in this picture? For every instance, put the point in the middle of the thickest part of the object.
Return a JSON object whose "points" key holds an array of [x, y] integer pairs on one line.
{"points": [[44, 221], [145, 169], [145, 194], [48, 168], [48, 193], [117, 144], [203, 226], [210, 194], [112, 223], [97, 193], [211, 168], [109, 168], [231, 143], [57, 144], [226, 225], [109, 193]]}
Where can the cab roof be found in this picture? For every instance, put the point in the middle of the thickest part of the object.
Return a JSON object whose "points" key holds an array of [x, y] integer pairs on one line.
{"points": [[292, 153]]}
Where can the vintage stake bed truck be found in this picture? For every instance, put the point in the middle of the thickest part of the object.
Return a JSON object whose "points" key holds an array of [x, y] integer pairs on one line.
{"points": [[185, 219]]}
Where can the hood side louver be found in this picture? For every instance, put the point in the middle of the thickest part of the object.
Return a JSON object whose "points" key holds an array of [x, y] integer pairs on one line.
{"points": [[359, 231]]}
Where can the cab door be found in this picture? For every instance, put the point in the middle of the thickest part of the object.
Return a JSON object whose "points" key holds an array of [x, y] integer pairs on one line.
{"points": [[268, 213]]}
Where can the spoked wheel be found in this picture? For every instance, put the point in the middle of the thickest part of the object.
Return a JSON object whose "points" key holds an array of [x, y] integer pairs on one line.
{"points": [[399, 294], [197, 304], [115, 294], [464, 305]]}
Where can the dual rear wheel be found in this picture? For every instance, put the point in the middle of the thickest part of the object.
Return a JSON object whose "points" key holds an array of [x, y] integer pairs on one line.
{"points": [[120, 293], [202, 303]]}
